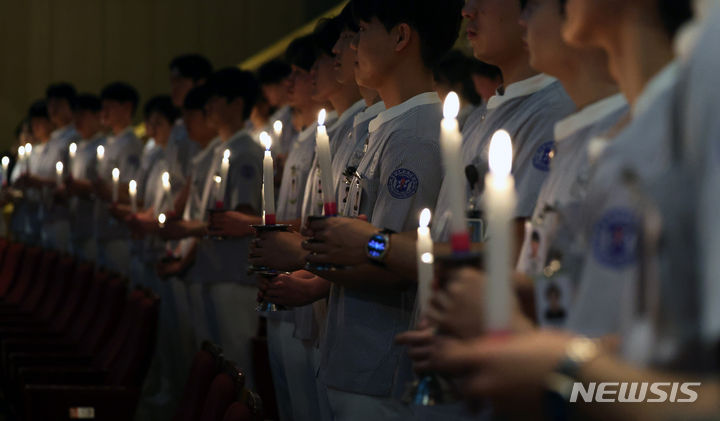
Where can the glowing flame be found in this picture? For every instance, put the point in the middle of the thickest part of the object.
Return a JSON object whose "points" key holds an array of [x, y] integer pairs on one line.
{"points": [[500, 159], [321, 117], [266, 140], [100, 152], [5, 161], [218, 179], [451, 108], [162, 218], [21, 151], [226, 154], [59, 167], [28, 148], [132, 187], [425, 218], [278, 126], [116, 174], [73, 149], [427, 258]]}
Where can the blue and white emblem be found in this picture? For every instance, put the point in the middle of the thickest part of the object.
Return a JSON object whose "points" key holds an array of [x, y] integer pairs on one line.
{"points": [[615, 238], [542, 157], [402, 183]]}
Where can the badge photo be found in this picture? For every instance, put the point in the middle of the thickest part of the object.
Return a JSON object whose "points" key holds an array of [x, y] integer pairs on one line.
{"points": [[553, 298]]}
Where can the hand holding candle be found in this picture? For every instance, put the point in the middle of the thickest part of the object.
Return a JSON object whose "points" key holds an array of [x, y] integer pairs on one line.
{"points": [[500, 208], [132, 191], [323, 152], [425, 260], [268, 181], [116, 184], [219, 202], [451, 142]]}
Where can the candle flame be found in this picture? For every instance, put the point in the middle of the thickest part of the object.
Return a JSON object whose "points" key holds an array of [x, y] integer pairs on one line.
{"points": [[162, 218], [165, 177], [5, 161], [218, 179], [59, 167], [266, 140], [500, 159], [278, 126], [100, 152], [132, 187], [427, 258], [73, 148], [28, 148], [21, 151], [226, 154], [425, 218], [451, 108], [321, 117], [116, 174]]}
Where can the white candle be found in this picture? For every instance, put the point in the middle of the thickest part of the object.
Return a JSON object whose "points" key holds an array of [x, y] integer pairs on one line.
{"points": [[268, 180], [224, 169], [165, 177], [425, 259], [278, 128], [100, 158], [132, 191], [116, 184], [451, 142], [28, 153], [5, 164], [499, 207], [323, 154], [59, 171], [72, 149], [219, 199], [161, 220]]}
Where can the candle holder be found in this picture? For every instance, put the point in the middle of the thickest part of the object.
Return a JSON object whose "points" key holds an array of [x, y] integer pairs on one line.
{"points": [[259, 229], [266, 306], [431, 388], [320, 267]]}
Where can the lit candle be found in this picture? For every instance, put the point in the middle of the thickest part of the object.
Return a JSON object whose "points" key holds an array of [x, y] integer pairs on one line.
{"points": [[323, 153], [500, 207], [132, 191], [166, 190], [100, 158], [268, 180], [28, 153], [224, 169], [219, 199], [72, 149], [116, 184], [278, 128], [59, 171], [21, 157], [5, 164], [451, 141], [161, 220], [425, 259]]}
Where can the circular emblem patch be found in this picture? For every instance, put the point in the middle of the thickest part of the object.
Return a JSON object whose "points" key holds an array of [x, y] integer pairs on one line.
{"points": [[402, 183], [541, 159], [615, 238]]}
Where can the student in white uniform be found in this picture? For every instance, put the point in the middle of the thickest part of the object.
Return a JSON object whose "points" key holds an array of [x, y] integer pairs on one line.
{"points": [[273, 77], [186, 72], [122, 151], [83, 169]]}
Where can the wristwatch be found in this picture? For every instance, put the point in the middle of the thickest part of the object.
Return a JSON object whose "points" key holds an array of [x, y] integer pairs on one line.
{"points": [[378, 246]]}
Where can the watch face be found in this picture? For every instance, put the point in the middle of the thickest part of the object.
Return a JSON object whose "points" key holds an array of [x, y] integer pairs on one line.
{"points": [[376, 246]]}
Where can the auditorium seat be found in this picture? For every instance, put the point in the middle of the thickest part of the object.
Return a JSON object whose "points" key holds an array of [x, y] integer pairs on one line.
{"points": [[206, 364], [10, 264], [238, 411], [225, 389]]}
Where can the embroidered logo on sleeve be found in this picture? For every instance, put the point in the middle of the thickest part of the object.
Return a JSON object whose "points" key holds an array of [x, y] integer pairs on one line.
{"points": [[402, 183], [615, 238], [543, 156]]}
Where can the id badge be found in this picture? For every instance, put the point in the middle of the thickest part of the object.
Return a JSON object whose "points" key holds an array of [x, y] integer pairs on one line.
{"points": [[553, 298], [354, 197]]}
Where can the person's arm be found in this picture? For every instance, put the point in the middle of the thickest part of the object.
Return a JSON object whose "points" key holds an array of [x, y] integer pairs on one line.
{"points": [[297, 289], [179, 229]]}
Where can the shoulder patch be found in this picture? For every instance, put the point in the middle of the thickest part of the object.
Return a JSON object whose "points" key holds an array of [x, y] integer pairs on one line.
{"points": [[247, 171], [402, 183], [542, 157], [615, 238]]}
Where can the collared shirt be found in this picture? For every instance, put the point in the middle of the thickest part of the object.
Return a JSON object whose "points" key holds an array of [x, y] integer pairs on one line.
{"points": [[180, 150], [289, 134], [528, 111], [294, 178], [84, 167], [217, 260], [398, 176]]}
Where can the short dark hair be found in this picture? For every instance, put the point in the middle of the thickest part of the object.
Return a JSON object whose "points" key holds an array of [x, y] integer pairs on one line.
{"points": [[437, 24], [191, 66], [455, 68], [346, 19], [121, 92], [38, 109], [161, 104], [301, 52], [273, 71], [88, 102], [674, 13], [326, 34], [232, 83], [196, 98], [489, 71], [62, 90]]}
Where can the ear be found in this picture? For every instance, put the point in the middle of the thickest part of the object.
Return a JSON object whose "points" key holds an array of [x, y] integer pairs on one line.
{"points": [[403, 35]]}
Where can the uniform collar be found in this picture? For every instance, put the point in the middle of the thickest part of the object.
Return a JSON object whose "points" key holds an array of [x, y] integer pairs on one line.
{"points": [[662, 81], [370, 112], [392, 113], [588, 116], [125, 132], [58, 133], [350, 112], [519, 89]]}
